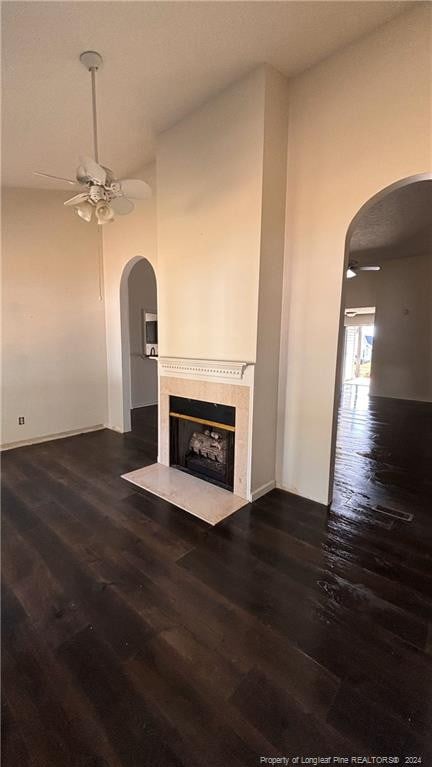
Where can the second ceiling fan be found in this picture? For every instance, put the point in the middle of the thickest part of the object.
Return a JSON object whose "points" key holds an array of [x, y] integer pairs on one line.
{"points": [[354, 268], [103, 194]]}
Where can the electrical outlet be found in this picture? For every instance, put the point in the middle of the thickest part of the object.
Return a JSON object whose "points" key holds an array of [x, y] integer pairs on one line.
{"points": [[21, 420]]}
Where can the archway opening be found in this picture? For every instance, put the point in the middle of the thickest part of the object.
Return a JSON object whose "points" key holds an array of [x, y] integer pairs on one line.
{"points": [[138, 305], [383, 413]]}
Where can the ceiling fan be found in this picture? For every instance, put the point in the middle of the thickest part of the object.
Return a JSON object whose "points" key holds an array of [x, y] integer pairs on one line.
{"points": [[354, 268], [102, 194]]}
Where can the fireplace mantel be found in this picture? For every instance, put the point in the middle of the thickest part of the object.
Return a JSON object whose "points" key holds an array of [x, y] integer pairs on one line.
{"points": [[207, 369]]}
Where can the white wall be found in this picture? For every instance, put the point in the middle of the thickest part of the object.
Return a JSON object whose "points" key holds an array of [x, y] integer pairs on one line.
{"points": [[402, 292], [125, 241], [358, 122], [270, 282], [209, 171], [221, 214], [54, 358], [362, 290], [142, 298], [402, 345]]}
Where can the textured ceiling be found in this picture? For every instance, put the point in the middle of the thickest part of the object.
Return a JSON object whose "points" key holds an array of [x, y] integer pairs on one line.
{"points": [[400, 224], [162, 59]]}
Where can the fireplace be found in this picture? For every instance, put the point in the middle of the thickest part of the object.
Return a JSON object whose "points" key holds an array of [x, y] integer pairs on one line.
{"points": [[202, 436]]}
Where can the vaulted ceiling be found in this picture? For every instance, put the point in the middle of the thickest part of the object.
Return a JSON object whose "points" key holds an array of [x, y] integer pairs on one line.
{"points": [[162, 59]]}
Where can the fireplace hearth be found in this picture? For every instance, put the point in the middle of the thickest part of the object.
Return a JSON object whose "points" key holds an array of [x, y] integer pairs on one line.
{"points": [[202, 438]]}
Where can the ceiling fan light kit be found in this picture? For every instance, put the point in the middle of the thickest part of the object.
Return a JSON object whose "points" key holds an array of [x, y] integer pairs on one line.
{"points": [[104, 195]]}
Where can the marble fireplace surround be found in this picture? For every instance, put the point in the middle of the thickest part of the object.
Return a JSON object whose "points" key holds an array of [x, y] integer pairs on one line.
{"points": [[224, 383]]}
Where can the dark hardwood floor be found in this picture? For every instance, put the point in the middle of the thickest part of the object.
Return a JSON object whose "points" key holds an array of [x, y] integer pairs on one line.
{"points": [[144, 429], [135, 635]]}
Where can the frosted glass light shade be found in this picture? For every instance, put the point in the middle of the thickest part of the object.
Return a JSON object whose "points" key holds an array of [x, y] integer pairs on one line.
{"points": [[104, 212], [85, 211]]}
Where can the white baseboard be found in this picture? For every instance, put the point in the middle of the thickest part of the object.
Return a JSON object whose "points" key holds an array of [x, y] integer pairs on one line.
{"points": [[50, 437], [281, 486], [289, 490], [260, 491]]}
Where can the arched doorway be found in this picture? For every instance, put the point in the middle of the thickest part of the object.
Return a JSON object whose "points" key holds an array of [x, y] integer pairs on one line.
{"points": [[138, 309], [384, 370]]}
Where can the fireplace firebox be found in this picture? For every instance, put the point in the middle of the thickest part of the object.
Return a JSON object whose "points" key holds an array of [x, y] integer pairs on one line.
{"points": [[202, 436]]}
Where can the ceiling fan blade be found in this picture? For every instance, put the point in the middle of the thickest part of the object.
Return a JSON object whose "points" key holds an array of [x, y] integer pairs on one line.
{"points": [[122, 206], [89, 170], [81, 197], [135, 188], [368, 268], [110, 178], [54, 178]]}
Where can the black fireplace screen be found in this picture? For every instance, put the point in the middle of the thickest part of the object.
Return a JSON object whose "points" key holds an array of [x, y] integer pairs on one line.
{"points": [[202, 438]]}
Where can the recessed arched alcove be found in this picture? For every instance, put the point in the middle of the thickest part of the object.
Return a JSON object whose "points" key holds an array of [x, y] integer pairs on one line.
{"points": [[138, 300]]}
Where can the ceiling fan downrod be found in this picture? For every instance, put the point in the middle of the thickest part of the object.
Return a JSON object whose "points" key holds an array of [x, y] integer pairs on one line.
{"points": [[92, 62]]}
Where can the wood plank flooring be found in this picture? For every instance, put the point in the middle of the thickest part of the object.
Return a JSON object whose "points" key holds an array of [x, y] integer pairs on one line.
{"points": [[144, 428], [135, 635]]}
